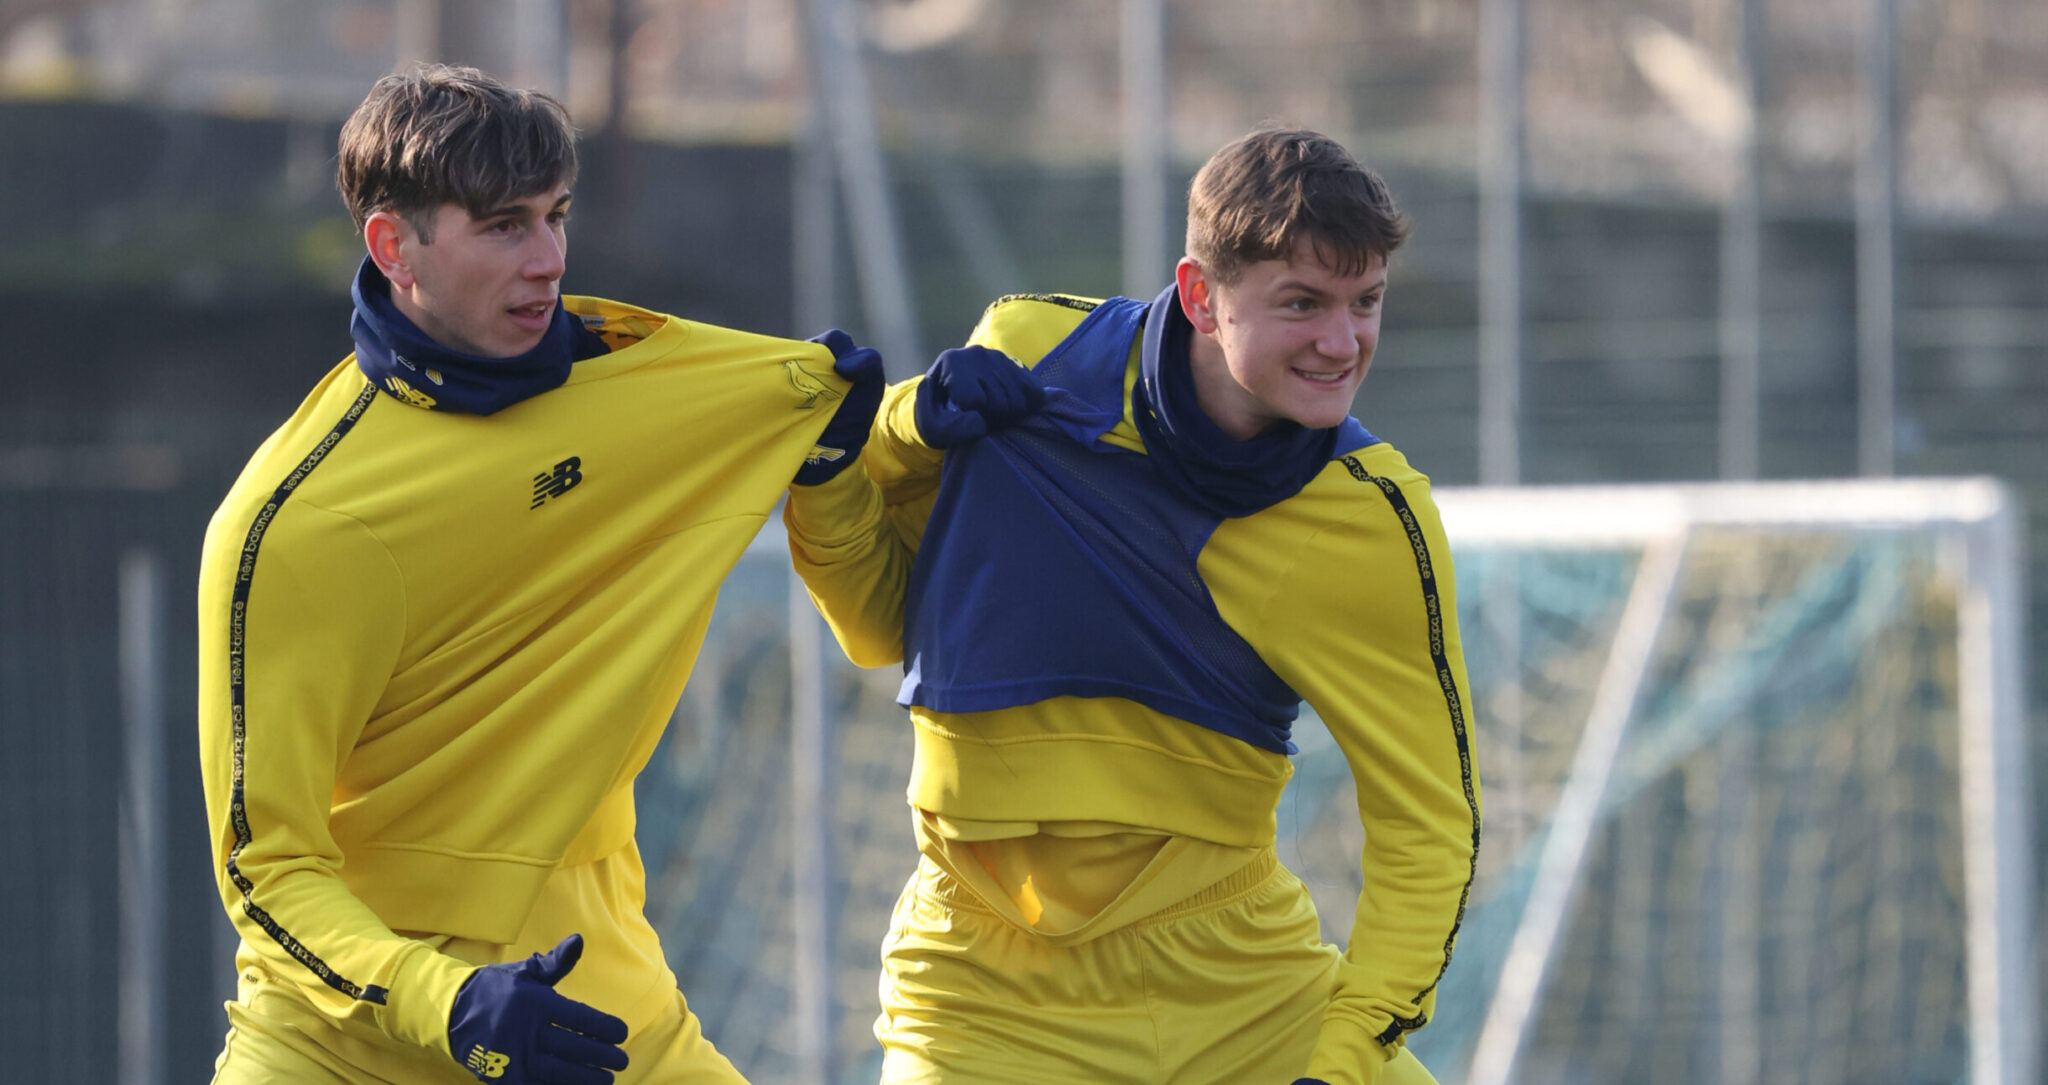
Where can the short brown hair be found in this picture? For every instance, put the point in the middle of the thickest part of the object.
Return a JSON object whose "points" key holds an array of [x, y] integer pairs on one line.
{"points": [[440, 134], [1260, 195]]}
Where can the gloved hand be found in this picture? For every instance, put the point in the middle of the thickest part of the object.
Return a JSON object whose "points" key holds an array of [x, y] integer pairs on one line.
{"points": [[845, 435], [510, 1027], [973, 391]]}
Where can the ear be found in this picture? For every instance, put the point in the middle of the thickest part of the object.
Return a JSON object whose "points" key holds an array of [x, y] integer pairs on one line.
{"points": [[385, 234], [1197, 297]]}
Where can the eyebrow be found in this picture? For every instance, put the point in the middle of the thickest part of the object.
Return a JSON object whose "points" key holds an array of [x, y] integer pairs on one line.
{"points": [[1308, 288], [522, 210]]}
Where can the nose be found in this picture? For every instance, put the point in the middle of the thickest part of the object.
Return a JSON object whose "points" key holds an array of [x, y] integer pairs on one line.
{"points": [[1344, 336], [547, 255]]}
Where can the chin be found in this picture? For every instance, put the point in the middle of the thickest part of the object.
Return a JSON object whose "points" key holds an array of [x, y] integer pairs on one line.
{"points": [[513, 349], [1320, 419]]}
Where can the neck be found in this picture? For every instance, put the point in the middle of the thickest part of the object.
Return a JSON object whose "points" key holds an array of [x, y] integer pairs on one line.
{"points": [[413, 311], [401, 356]]}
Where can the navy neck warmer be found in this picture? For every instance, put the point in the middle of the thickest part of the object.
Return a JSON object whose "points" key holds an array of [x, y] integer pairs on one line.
{"points": [[1230, 478], [400, 359]]}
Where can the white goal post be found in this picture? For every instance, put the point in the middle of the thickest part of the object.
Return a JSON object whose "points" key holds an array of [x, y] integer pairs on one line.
{"points": [[1978, 524]]}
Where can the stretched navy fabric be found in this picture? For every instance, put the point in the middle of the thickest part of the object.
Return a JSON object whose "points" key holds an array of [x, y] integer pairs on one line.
{"points": [[1053, 507]]}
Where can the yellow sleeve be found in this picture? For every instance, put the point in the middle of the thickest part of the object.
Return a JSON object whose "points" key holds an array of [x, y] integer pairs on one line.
{"points": [[1368, 619], [301, 616], [853, 563], [904, 469], [852, 539]]}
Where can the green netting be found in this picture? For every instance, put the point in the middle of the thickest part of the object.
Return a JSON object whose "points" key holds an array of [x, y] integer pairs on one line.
{"points": [[1774, 893]]}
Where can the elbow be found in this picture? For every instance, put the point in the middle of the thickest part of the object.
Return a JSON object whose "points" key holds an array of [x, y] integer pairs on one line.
{"points": [[874, 654], [871, 635]]}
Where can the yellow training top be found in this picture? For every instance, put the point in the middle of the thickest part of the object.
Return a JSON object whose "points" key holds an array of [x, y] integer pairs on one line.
{"points": [[436, 648], [1344, 590]]}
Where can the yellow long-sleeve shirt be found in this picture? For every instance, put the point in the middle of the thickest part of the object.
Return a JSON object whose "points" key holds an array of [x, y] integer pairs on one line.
{"points": [[1343, 589], [436, 648]]}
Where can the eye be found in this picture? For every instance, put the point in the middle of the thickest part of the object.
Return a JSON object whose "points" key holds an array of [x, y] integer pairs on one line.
{"points": [[502, 226], [556, 218], [1300, 305], [1369, 302]]}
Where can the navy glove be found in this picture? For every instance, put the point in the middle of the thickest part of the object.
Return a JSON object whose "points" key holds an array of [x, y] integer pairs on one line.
{"points": [[845, 435], [509, 1026], [973, 391]]}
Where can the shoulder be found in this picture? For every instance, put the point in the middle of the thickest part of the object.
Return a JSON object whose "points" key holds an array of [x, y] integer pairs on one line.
{"points": [[1360, 549], [319, 431], [623, 324], [340, 428], [1028, 326], [1377, 509], [1367, 497], [657, 334], [1381, 466], [1079, 305], [618, 323], [268, 531]]}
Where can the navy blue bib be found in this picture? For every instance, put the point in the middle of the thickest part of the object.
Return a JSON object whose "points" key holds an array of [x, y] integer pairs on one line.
{"points": [[1057, 565]]}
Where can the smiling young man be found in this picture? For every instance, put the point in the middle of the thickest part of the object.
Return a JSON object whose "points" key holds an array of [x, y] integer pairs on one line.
{"points": [[448, 607], [1136, 554]]}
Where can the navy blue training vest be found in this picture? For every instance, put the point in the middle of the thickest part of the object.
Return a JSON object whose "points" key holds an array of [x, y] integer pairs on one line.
{"points": [[1057, 565]]}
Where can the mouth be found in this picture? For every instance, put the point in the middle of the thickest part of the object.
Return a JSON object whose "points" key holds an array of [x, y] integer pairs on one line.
{"points": [[1328, 380], [534, 314]]}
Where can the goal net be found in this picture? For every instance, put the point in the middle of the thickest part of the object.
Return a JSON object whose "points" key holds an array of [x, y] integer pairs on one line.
{"points": [[1754, 768], [1755, 780]]}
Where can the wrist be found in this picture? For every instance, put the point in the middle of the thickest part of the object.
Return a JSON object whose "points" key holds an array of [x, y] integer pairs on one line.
{"points": [[1346, 1056], [924, 409], [904, 415], [422, 995]]}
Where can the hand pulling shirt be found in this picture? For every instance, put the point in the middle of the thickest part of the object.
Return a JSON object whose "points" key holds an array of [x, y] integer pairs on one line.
{"points": [[437, 646], [1101, 645]]}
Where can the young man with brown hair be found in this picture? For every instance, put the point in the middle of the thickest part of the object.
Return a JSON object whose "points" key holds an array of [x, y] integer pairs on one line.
{"points": [[448, 607], [1145, 532]]}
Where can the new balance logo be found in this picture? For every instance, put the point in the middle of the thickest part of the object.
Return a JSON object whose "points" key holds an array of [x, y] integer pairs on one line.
{"points": [[486, 1064], [557, 482], [807, 385], [405, 391]]}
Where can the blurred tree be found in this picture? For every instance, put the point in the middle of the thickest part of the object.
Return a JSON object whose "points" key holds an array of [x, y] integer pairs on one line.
{"points": [[14, 14]]}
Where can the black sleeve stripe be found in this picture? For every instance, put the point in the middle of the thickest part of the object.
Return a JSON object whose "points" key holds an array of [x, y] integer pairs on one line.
{"points": [[237, 644], [1453, 704], [1067, 300]]}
